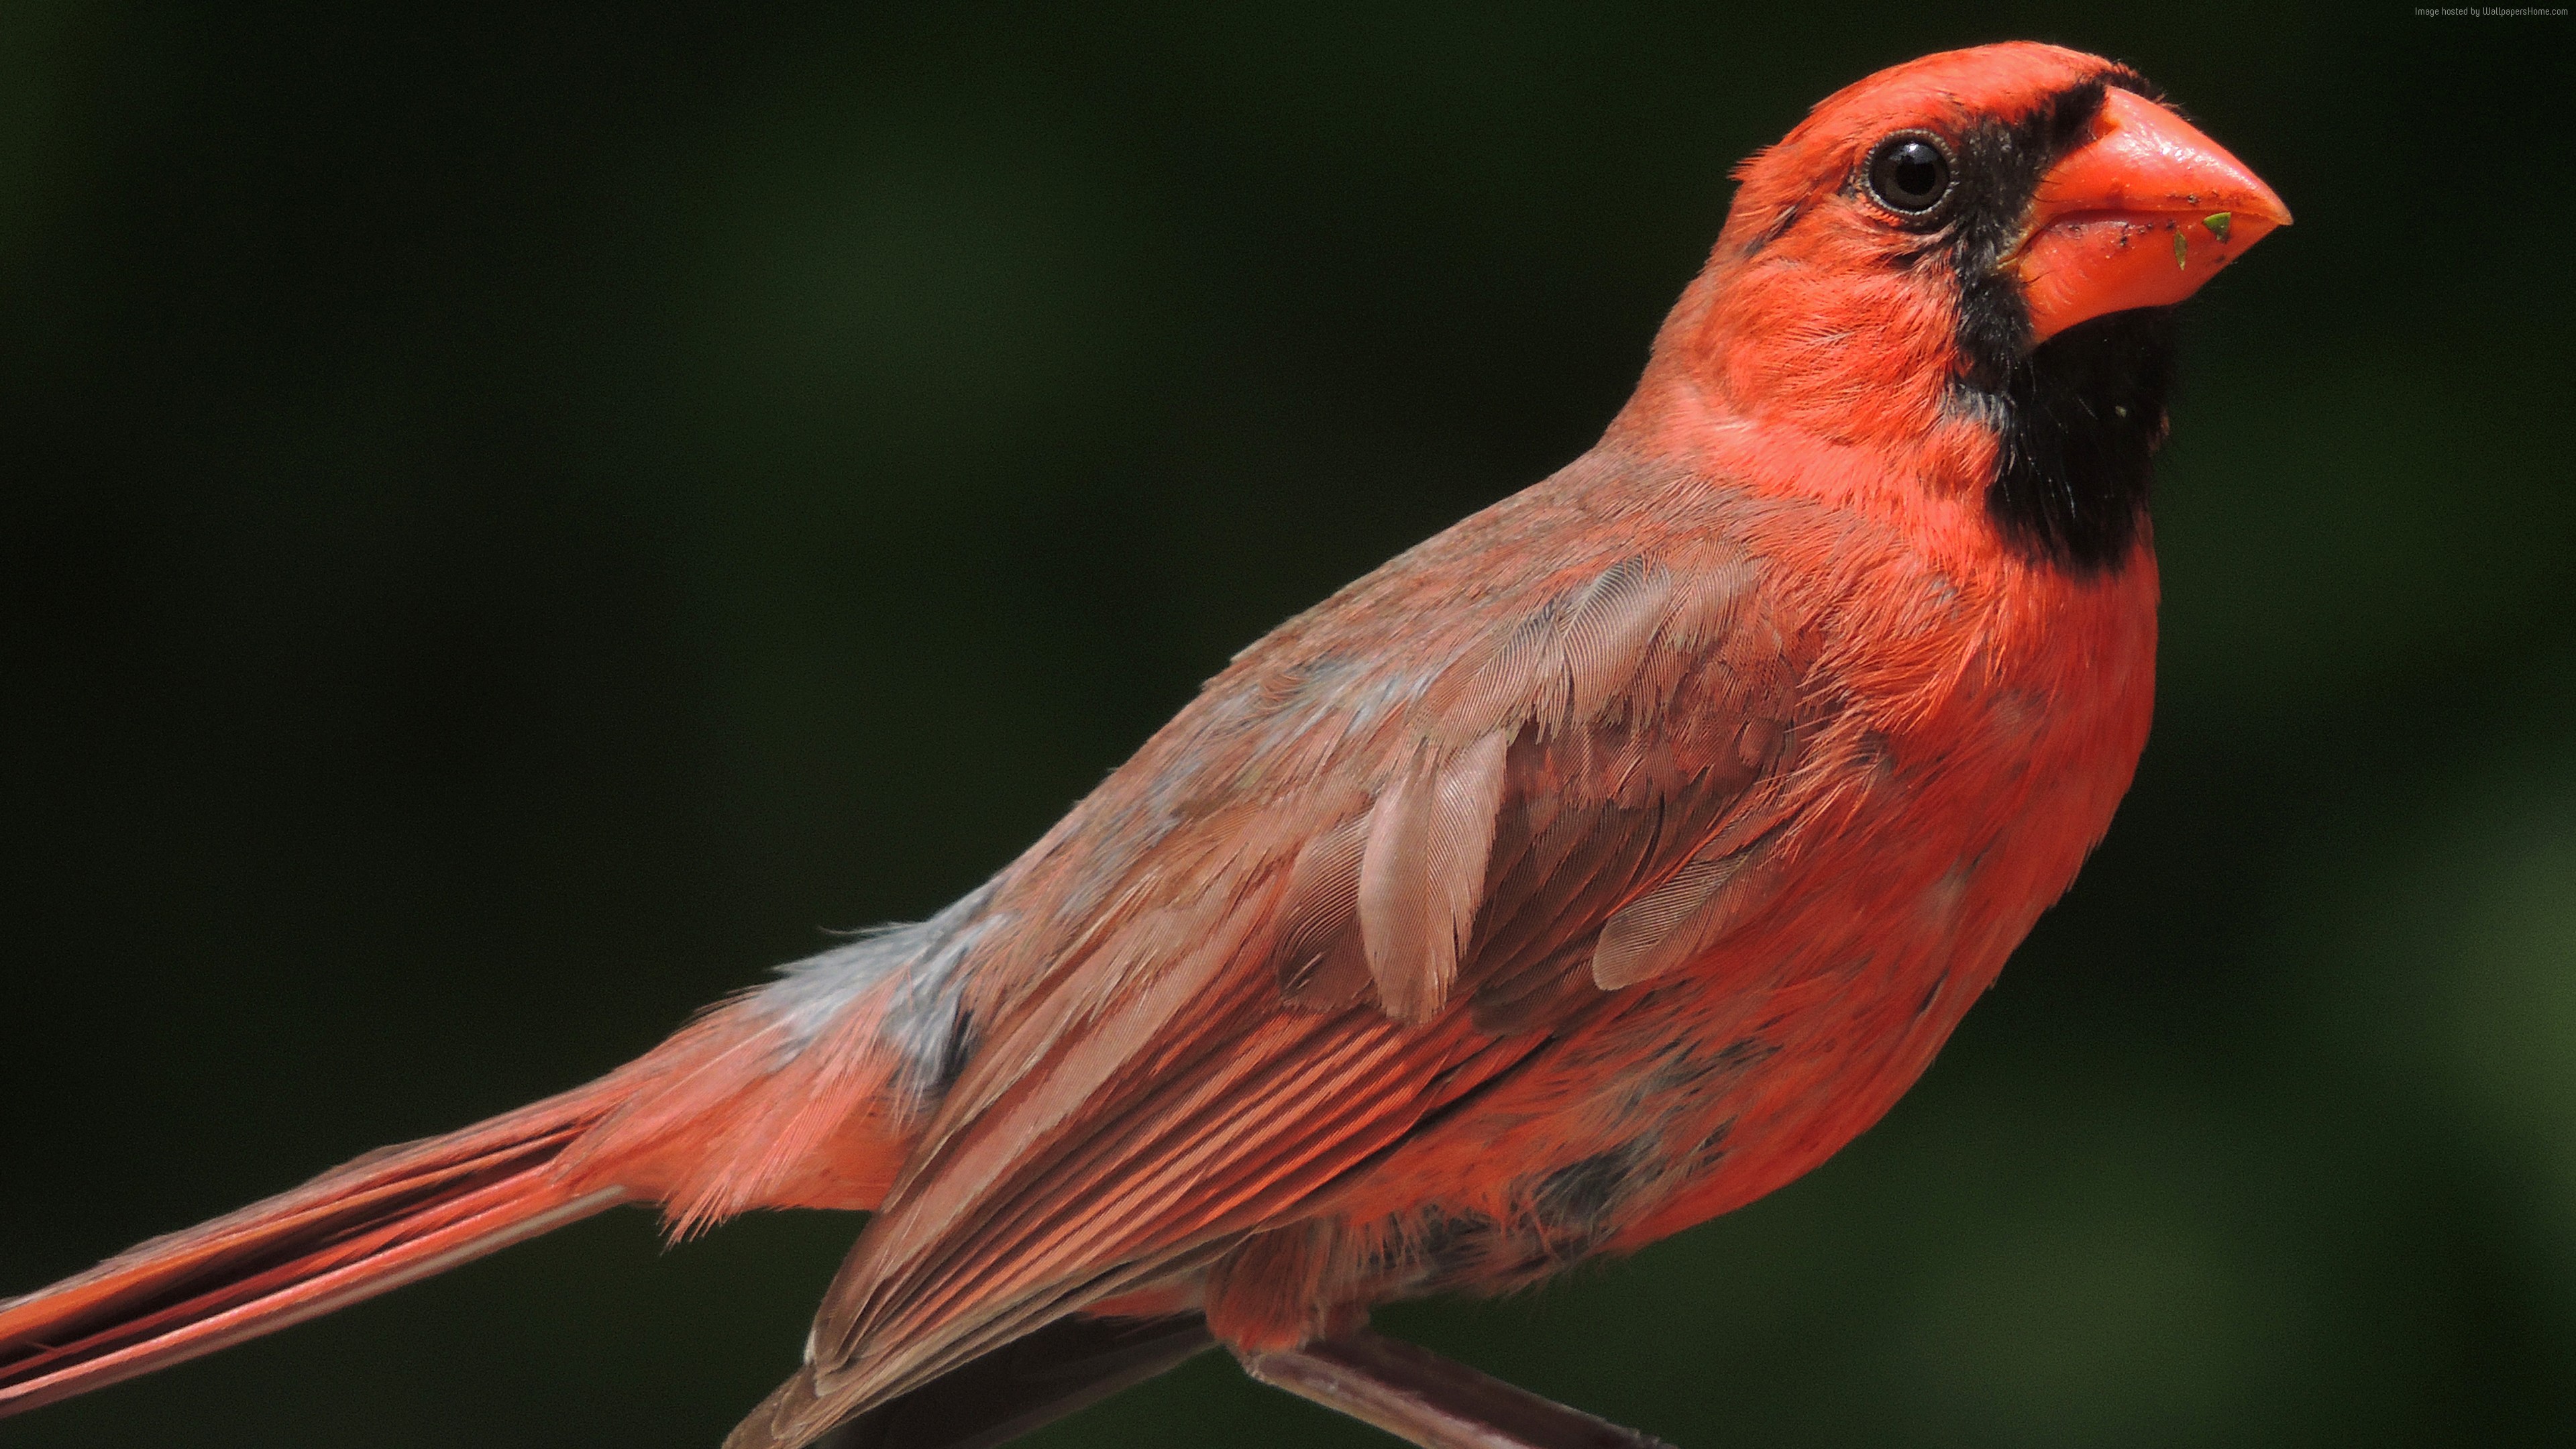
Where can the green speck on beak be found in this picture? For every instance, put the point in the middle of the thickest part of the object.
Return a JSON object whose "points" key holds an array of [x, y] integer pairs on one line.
{"points": [[2179, 252], [2218, 222]]}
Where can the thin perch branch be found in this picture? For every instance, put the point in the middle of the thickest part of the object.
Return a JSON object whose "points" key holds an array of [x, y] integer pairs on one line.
{"points": [[1435, 1402]]}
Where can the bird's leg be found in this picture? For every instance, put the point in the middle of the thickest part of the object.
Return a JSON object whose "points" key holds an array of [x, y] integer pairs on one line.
{"points": [[1435, 1402]]}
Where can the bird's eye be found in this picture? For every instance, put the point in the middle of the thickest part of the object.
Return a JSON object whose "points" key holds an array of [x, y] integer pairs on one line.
{"points": [[1909, 173]]}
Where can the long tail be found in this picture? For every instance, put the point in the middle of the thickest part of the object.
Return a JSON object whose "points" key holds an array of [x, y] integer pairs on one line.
{"points": [[382, 1221], [739, 1110]]}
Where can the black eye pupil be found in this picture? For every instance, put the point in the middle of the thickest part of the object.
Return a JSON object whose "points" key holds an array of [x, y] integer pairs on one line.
{"points": [[1909, 174], [1917, 171]]}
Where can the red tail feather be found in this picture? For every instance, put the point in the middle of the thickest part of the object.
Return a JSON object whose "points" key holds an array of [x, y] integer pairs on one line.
{"points": [[727, 1115], [390, 1217]]}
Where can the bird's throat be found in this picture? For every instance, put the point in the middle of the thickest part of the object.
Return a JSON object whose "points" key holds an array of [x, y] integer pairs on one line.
{"points": [[2077, 422]]}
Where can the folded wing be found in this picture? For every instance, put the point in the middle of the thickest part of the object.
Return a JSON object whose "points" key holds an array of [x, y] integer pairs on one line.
{"points": [[1343, 889]]}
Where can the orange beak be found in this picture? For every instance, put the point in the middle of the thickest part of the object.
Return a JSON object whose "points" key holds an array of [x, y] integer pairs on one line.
{"points": [[2139, 215]]}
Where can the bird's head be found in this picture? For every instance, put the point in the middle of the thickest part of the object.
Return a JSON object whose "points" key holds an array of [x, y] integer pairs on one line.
{"points": [[1970, 259]]}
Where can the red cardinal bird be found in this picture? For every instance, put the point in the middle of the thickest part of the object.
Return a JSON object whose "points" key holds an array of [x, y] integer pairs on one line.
{"points": [[1594, 868]]}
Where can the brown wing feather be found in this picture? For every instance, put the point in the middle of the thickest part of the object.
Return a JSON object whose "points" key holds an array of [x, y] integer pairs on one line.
{"points": [[1422, 872], [1330, 820]]}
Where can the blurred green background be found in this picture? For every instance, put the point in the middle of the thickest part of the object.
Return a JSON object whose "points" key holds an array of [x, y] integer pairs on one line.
{"points": [[516, 519]]}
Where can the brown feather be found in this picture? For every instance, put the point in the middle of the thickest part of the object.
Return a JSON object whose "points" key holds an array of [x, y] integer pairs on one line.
{"points": [[1422, 873]]}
